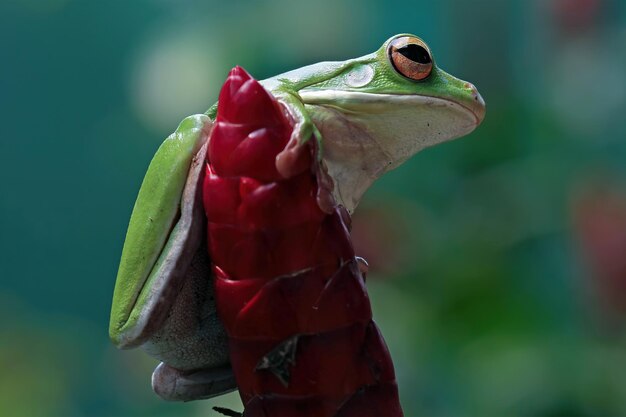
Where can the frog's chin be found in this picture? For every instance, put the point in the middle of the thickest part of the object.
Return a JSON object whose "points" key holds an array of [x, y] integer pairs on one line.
{"points": [[366, 135]]}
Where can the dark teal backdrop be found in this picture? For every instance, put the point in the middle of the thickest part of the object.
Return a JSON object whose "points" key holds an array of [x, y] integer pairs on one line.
{"points": [[498, 261]]}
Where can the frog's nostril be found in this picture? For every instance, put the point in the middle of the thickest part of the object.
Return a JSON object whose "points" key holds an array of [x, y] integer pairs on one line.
{"points": [[477, 104], [471, 99], [474, 92]]}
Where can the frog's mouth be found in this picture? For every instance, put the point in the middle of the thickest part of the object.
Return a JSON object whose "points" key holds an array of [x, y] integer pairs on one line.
{"points": [[472, 107]]}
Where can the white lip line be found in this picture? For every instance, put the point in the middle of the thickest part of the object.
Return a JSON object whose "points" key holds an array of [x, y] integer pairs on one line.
{"points": [[310, 97]]}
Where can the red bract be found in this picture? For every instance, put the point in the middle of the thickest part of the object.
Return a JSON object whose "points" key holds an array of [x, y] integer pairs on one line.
{"points": [[287, 285]]}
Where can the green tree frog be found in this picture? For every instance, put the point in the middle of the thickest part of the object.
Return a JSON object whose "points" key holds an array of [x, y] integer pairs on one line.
{"points": [[369, 115]]}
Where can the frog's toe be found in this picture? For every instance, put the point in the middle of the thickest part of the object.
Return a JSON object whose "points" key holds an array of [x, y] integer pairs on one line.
{"points": [[172, 384], [302, 132]]}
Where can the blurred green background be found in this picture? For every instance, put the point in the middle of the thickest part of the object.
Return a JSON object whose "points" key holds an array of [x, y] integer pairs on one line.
{"points": [[498, 261]]}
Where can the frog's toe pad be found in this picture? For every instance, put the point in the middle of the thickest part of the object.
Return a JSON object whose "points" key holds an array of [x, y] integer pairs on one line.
{"points": [[172, 384]]}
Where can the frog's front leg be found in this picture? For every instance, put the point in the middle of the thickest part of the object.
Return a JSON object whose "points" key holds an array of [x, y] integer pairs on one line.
{"points": [[303, 130]]}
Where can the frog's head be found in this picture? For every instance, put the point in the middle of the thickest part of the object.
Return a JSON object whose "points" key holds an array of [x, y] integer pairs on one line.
{"points": [[380, 109]]}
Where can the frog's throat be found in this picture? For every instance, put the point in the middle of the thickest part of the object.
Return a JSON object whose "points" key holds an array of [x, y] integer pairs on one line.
{"points": [[366, 135]]}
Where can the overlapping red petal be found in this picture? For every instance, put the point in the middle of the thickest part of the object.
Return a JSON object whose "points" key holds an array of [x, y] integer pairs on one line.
{"points": [[284, 268]]}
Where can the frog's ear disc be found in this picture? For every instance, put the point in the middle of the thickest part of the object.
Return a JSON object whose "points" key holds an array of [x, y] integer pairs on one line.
{"points": [[164, 234]]}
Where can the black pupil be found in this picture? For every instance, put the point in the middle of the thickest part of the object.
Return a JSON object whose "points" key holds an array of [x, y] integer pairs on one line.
{"points": [[416, 53]]}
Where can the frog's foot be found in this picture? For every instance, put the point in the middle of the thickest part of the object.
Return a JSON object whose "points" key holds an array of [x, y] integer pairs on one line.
{"points": [[294, 159], [172, 384]]}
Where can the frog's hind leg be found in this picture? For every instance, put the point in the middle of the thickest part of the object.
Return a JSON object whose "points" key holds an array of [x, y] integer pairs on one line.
{"points": [[172, 384], [192, 344]]}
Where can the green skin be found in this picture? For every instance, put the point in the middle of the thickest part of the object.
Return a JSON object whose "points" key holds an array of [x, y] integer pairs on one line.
{"points": [[367, 118], [154, 214]]}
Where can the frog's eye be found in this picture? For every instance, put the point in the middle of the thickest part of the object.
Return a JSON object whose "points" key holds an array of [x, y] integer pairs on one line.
{"points": [[410, 57]]}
